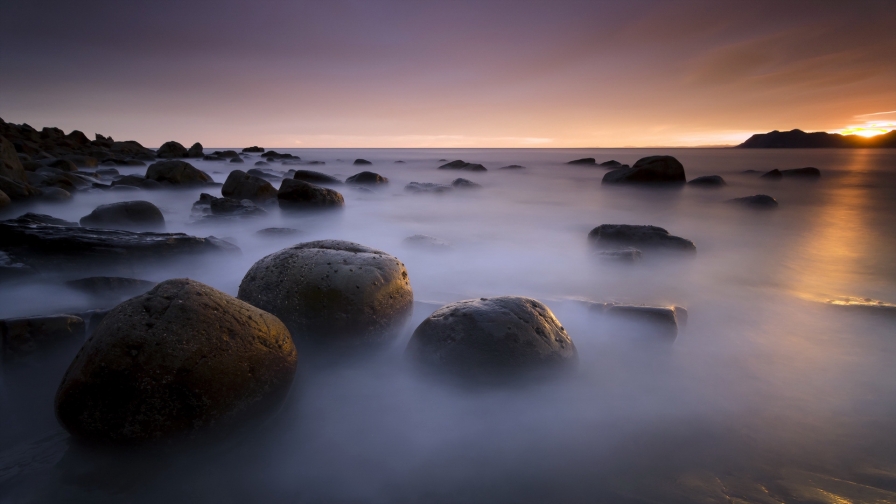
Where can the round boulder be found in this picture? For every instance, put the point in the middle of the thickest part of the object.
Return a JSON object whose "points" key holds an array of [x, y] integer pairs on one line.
{"points": [[649, 170], [332, 293], [366, 177], [130, 215], [180, 358], [498, 336], [240, 185], [298, 195], [177, 173]]}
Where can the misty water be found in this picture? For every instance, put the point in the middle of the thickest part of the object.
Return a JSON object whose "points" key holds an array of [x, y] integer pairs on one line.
{"points": [[767, 391]]}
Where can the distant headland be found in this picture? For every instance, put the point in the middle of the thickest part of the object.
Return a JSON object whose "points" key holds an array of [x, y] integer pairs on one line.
{"points": [[798, 139]]}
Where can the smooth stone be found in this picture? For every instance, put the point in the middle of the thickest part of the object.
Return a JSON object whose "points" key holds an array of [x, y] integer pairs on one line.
{"points": [[254, 148], [262, 163], [177, 360], [314, 177], [362, 162], [177, 173], [462, 165], [366, 177], [131, 215], [171, 150], [237, 160], [241, 185], [296, 195], [277, 232], [650, 170], [613, 164], [47, 219], [757, 201], [583, 161], [708, 181], [55, 194], [137, 181], [195, 151], [500, 336], [512, 167], [640, 237], [462, 183], [332, 293]]}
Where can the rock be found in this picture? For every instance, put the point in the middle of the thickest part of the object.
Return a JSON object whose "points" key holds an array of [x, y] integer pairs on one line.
{"points": [[62, 164], [362, 162], [757, 201], [177, 173], [240, 185], [227, 207], [265, 173], [170, 150], [254, 148], [47, 219], [492, 337], [107, 172], [4, 199], [131, 215], [461, 165], [332, 293], [708, 181], [366, 177], [614, 236], [212, 158], [195, 151], [613, 164], [512, 167], [55, 194], [52, 247], [17, 190], [583, 161], [649, 170], [11, 168], [237, 160], [661, 321], [426, 187], [137, 181], [24, 337], [105, 287], [82, 161], [399, 162], [11, 268], [462, 183], [426, 242], [625, 254], [808, 172], [772, 175], [277, 232], [179, 359], [262, 163], [315, 177], [296, 194]]}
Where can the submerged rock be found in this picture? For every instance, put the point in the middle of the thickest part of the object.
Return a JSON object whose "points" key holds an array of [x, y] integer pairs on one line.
{"points": [[332, 293], [137, 181], [55, 194], [177, 173], [26, 336], [625, 255], [707, 181], [462, 165], [132, 215], [315, 177], [426, 187], [613, 164], [614, 236], [236, 160], [277, 232], [656, 321], [179, 359], [362, 162], [664, 170], [758, 201], [213, 207], [426, 242], [803, 173], [512, 167], [498, 336], [462, 183], [295, 194], [241, 185], [47, 219], [366, 177]]}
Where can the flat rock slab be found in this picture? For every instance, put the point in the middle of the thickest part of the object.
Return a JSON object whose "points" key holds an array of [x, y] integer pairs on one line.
{"points": [[661, 321]]}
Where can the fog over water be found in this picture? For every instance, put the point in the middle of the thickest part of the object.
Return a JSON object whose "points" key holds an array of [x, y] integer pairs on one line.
{"points": [[768, 395]]}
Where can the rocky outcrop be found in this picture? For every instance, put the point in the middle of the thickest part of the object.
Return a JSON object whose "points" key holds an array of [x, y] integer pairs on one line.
{"points": [[798, 139], [492, 337], [315, 177], [179, 173], [462, 165], [131, 215], [462, 183], [584, 161], [177, 360], [366, 177], [172, 150], [195, 151], [332, 293], [297, 195], [757, 201], [253, 149], [240, 185], [4, 199], [614, 236], [707, 181], [653, 170]]}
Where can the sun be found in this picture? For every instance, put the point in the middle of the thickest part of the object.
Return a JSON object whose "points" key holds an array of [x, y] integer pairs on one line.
{"points": [[869, 129]]}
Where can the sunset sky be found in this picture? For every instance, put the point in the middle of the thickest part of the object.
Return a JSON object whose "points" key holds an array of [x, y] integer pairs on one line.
{"points": [[448, 74]]}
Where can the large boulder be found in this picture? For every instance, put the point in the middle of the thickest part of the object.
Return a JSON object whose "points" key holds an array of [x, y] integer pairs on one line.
{"points": [[177, 173], [615, 236], [366, 177], [462, 165], [315, 177], [664, 170], [295, 194], [492, 336], [195, 151], [172, 149], [240, 185], [16, 189], [332, 293], [133, 215], [181, 358]]}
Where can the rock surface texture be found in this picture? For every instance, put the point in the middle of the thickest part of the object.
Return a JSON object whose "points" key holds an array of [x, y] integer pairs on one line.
{"points": [[332, 293], [662, 170], [180, 358], [612, 236]]}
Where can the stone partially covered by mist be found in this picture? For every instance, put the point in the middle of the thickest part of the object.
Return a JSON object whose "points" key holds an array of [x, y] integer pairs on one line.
{"points": [[583, 161], [757, 201], [462, 165], [657, 322], [618, 236], [106, 287], [177, 173], [27, 336], [366, 177], [298, 195], [315, 177], [708, 181], [498, 336], [462, 183], [795, 173], [4, 199], [241, 185], [665, 170], [332, 293], [131, 215], [176, 360]]}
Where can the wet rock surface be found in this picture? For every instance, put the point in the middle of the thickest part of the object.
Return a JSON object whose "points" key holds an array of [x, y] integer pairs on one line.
{"points": [[367, 177], [298, 195], [179, 359], [332, 293], [662, 170], [131, 215], [179, 173], [241, 185], [315, 177], [499, 336], [615, 236]]}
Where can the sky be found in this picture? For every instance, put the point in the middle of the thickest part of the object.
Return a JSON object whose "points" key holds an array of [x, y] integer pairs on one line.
{"points": [[454, 73]]}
